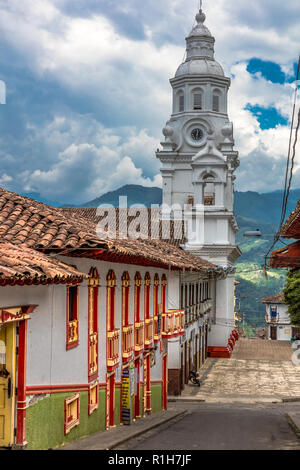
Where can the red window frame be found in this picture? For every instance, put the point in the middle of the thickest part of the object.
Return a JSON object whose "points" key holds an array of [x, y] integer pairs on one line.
{"points": [[93, 405], [125, 298], [72, 421], [147, 284], [164, 292], [111, 294], [137, 297], [93, 334], [155, 295], [72, 321]]}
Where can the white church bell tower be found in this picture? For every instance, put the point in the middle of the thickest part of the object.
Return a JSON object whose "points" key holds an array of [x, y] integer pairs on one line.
{"points": [[198, 164]]}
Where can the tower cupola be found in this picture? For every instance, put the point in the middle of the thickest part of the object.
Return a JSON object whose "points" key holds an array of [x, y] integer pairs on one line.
{"points": [[200, 51]]}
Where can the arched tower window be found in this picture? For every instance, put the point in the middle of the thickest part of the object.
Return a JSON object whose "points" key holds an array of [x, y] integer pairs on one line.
{"points": [[180, 101], [198, 101], [209, 190], [216, 100]]}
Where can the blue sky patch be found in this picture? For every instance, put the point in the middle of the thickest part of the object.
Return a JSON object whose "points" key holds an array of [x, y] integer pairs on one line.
{"points": [[268, 118], [269, 70]]}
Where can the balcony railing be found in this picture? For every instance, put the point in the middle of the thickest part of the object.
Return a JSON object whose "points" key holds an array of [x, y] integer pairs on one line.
{"points": [[148, 332], [156, 329], [176, 323], [127, 342], [113, 339], [182, 315], [167, 321], [173, 323], [272, 319], [139, 337]]}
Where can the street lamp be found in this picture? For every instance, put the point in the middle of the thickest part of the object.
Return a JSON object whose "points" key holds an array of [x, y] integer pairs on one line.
{"points": [[253, 233], [257, 233]]}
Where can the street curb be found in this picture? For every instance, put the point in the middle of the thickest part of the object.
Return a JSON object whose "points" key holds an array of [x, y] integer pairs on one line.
{"points": [[290, 400], [138, 433], [186, 400], [293, 425]]}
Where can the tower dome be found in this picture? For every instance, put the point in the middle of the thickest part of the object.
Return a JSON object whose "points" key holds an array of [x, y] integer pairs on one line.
{"points": [[200, 51], [199, 66]]}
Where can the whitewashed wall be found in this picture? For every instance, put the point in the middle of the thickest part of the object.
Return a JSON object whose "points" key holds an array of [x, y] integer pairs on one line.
{"points": [[48, 361], [221, 331]]}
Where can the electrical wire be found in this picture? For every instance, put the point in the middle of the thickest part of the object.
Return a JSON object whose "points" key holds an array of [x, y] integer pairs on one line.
{"points": [[286, 194], [289, 166]]}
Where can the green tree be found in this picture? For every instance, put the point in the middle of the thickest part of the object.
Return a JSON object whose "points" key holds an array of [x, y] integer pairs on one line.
{"points": [[292, 296]]}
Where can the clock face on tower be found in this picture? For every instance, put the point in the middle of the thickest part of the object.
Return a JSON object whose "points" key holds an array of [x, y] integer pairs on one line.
{"points": [[197, 134]]}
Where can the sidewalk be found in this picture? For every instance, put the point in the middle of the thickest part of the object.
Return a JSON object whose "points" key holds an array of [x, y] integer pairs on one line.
{"points": [[294, 420], [114, 437]]}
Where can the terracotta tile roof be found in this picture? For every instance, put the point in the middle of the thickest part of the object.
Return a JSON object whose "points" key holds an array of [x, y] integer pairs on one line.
{"points": [[24, 221], [274, 299], [161, 241], [286, 257], [20, 263], [149, 222], [291, 228]]}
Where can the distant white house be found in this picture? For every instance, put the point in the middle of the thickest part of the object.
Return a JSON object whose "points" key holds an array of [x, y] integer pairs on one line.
{"points": [[278, 323]]}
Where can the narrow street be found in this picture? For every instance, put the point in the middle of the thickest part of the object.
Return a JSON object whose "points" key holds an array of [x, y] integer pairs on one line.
{"points": [[223, 427], [239, 405], [244, 403]]}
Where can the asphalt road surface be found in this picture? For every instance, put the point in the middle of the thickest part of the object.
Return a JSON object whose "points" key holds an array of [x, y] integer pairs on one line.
{"points": [[223, 427]]}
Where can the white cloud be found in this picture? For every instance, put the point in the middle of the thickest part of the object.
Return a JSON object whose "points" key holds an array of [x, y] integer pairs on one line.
{"points": [[126, 77], [5, 179], [106, 161]]}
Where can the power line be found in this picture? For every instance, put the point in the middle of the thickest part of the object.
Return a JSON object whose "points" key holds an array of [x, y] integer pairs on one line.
{"points": [[289, 166]]}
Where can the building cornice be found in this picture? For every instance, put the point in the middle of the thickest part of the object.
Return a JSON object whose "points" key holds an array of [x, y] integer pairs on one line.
{"points": [[199, 78]]}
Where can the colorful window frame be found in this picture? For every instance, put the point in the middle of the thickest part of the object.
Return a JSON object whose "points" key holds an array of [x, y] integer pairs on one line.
{"points": [[147, 284], [93, 334], [111, 293], [93, 397], [72, 412], [72, 320], [155, 295], [137, 297], [164, 293], [125, 298]]}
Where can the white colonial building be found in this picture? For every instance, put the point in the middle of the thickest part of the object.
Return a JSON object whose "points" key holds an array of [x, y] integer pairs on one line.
{"points": [[278, 322], [198, 163]]}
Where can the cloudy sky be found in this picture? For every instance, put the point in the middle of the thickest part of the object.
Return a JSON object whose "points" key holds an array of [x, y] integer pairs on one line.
{"points": [[88, 89]]}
